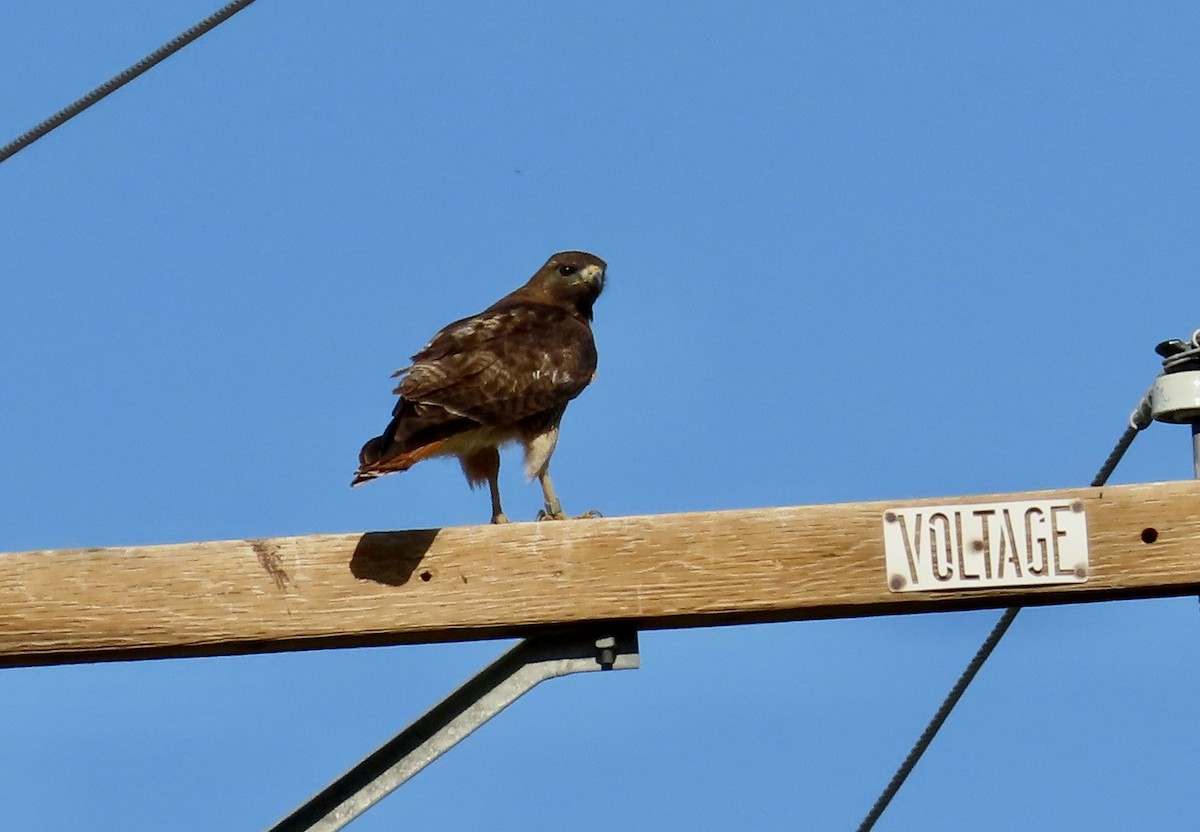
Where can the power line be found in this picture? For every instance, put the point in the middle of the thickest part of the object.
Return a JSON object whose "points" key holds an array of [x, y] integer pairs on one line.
{"points": [[956, 692], [116, 82], [1138, 421]]}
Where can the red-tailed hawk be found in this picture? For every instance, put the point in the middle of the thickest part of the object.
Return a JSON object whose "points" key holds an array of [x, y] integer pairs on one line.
{"points": [[504, 375]]}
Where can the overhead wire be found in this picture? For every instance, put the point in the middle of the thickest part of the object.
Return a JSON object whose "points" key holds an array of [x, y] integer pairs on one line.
{"points": [[117, 81], [1139, 420]]}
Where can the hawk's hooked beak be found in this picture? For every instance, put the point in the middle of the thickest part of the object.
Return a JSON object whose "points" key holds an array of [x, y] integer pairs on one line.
{"points": [[592, 275]]}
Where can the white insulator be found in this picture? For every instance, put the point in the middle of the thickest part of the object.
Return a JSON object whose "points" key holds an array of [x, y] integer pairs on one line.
{"points": [[1175, 397]]}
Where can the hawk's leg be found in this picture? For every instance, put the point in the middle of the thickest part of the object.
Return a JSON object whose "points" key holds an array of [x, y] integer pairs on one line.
{"points": [[494, 487], [553, 510], [485, 465], [553, 506]]}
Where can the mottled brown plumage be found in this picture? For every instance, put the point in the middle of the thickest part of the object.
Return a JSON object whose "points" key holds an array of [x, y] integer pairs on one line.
{"points": [[504, 375]]}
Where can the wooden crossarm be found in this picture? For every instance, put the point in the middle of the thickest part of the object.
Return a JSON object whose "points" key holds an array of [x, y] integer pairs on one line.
{"points": [[678, 570]]}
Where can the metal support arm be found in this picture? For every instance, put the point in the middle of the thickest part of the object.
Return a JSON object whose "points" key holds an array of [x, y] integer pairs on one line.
{"points": [[493, 689]]}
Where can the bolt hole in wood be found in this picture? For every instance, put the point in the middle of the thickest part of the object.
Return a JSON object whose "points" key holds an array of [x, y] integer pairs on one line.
{"points": [[1149, 535], [425, 576]]}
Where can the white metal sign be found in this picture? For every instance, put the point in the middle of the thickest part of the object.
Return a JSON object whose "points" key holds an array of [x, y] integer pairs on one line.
{"points": [[985, 545]]}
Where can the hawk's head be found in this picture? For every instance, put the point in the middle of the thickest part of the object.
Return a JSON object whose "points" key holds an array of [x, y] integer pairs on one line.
{"points": [[574, 278]]}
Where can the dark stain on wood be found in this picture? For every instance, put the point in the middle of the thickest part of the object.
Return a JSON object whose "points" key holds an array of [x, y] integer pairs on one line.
{"points": [[271, 562]]}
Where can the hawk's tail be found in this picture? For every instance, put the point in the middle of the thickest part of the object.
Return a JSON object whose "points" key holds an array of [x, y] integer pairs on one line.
{"points": [[372, 463], [361, 476]]}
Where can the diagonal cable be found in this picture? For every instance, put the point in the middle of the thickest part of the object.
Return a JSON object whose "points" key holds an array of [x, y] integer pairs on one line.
{"points": [[1138, 421], [116, 82]]}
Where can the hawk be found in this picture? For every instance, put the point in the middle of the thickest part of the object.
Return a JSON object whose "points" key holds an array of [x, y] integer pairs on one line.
{"points": [[504, 375]]}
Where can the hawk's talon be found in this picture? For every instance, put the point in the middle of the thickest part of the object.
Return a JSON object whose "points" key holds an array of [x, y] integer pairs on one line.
{"points": [[499, 518], [587, 515]]}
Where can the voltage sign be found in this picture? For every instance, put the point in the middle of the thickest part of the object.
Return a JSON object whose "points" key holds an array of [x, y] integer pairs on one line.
{"points": [[985, 545]]}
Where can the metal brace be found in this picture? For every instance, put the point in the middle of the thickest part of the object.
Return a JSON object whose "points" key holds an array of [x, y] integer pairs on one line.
{"points": [[494, 688]]}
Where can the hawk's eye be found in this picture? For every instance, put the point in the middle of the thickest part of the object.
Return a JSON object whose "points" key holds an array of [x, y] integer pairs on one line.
{"points": [[566, 270]]}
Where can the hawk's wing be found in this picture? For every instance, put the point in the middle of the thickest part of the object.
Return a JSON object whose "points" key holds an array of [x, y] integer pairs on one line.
{"points": [[503, 365]]}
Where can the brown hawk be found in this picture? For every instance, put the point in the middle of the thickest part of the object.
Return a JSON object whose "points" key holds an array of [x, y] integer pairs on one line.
{"points": [[504, 375]]}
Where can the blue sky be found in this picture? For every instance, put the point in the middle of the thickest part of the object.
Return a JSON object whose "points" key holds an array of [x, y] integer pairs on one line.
{"points": [[856, 252]]}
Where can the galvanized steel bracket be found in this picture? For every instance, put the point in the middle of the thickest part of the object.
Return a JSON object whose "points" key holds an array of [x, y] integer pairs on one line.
{"points": [[501, 683]]}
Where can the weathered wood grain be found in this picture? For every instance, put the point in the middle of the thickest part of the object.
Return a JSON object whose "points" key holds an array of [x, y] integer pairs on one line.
{"points": [[680, 570]]}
